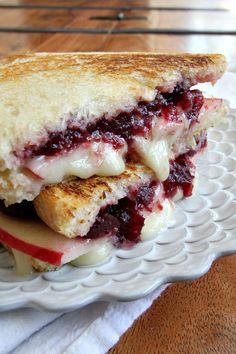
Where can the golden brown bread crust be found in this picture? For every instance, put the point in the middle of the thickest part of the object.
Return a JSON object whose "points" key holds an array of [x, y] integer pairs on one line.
{"points": [[147, 64], [70, 207]]}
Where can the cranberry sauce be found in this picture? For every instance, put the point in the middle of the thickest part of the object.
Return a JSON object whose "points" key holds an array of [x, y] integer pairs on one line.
{"points": [[182, 170], [24, 210], [181, 176], [124, 126], [123, 220], [131, 222]]}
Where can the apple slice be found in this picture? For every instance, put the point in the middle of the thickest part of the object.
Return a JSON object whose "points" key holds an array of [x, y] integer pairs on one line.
{"points": [[36, 239], [211, 113]]}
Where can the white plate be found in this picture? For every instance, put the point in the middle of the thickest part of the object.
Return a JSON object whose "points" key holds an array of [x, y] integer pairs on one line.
{"points": [[205, 229]]}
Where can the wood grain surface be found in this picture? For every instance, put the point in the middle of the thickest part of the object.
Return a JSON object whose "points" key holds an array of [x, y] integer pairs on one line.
{"points": [[189, 318], [195, 317]]}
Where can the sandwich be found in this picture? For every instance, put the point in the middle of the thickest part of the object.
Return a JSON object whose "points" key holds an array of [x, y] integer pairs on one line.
{"points": [[94, 148]]}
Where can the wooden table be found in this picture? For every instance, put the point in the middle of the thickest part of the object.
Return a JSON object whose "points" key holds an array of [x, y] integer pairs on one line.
{"points": [[190, 317]]}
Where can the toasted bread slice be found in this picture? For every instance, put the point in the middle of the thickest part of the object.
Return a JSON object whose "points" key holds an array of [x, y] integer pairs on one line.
{"points": [[71, 207], [39, 91]]}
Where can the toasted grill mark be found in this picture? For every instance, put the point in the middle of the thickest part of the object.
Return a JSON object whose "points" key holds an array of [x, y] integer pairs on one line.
{"points": [[83, 189]]}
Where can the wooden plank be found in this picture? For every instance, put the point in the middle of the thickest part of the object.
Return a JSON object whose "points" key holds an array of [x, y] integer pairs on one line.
{"points": [[197, 317], [207, 4], [180, 20], [72, 42], [76, 21], [42, 18], [19, 42], [19, 18]]}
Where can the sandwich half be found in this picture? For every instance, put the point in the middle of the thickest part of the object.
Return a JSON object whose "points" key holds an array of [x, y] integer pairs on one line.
{"points": [[93, 138], [105, 212]]}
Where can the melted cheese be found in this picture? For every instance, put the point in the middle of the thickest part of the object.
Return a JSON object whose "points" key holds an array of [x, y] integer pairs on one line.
{"points": [[157, 221], [168, 138], [93, 257], [22, 263], [154, 154], [102, 159], [97, 158]]}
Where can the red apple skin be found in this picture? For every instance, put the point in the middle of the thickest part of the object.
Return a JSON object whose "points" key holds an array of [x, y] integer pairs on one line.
{"points": [[45, 255]]}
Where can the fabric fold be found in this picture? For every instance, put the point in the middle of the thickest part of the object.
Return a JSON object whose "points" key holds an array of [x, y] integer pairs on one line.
{"points": [[92, 329]]}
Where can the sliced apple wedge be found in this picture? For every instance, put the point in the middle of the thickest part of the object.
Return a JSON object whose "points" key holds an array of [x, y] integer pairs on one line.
{"points": [[39, 241]]}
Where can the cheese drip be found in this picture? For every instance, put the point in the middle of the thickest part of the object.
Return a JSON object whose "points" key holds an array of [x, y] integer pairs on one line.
{"points": [[101, 159], [157, 221], [94, 256], [96, 159], [154, 154], [22, 263]]}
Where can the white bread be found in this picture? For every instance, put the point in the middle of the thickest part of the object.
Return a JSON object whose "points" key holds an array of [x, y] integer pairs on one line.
{"points": [[71, 207], [40, 91]]}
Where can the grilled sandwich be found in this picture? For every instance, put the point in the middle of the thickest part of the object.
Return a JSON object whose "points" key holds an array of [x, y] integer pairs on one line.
{"points": [[98, 144]]}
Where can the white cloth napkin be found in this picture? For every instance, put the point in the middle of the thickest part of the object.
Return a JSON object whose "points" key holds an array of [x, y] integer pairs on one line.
{"points": [[95, 328], [92, 329]]}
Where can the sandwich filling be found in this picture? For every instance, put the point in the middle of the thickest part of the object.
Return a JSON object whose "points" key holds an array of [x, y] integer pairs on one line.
{"points": [[153, 133], [139, 215], [125, 126], [164, 135], [119, 225]]}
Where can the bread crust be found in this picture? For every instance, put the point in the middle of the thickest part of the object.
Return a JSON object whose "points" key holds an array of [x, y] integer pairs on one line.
{"points": [[71, 207], [157, 66]]}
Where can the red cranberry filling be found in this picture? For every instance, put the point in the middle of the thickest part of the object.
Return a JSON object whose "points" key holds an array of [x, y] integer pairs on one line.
{"points": [[181, 176], [125, 223], [24, 210], [105, 224], [145, 196], [191, 102], [131, 223], [125, 126], [123, 220], [182, 170]]}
